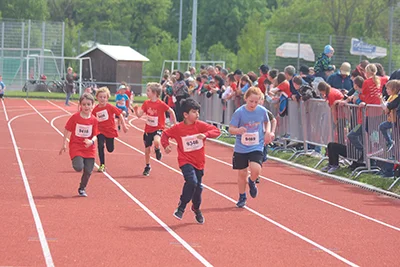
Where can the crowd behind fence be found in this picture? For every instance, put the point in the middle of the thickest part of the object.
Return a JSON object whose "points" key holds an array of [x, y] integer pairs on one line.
{"points": [[313, 123]]}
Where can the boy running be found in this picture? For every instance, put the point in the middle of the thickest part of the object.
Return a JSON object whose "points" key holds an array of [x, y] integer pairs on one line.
{"points": [[155, 110], [190, 136], [105, 114], [82, 127], [248, 124]]}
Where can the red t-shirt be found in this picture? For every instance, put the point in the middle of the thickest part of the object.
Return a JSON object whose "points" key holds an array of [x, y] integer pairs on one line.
{"points": [[334, 95], [285, 88], [106, 118], [81, 129], [261, 84], [190, 148], [155, 112], [370, 93]]}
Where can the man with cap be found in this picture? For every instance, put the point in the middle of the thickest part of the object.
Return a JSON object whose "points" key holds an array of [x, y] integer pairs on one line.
{"points": [[341, 80], [324, 62], [263, 76]]}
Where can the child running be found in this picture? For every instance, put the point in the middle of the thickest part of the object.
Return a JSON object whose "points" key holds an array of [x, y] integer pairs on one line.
{"points": [[105, 114], [155, 110], [190, 136], [248, 124], [82, 127]]}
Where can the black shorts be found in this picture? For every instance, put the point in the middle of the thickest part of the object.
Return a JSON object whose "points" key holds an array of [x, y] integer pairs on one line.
{"points": [[148, 138], [241, 161], [1, 95]]}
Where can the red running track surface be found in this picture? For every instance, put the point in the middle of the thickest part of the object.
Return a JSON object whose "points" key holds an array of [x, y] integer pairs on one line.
{"points": [[328, 223]]}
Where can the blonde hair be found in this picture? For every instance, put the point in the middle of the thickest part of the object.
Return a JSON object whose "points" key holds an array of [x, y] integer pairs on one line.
{"points": [[253, 91], [371, 69], [155, 88], [394, 85], [103, 89], [86, 96]]}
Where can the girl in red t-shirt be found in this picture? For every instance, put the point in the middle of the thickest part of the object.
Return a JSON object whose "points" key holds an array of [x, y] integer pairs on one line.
{"points": [[106, 114], [82, 129]]}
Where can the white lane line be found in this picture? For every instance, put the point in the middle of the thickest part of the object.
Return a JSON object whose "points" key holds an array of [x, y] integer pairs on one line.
{"points": [[333, 254], [39, 227], [302, 192], [147, 210], [36, 110], [4, 108]]}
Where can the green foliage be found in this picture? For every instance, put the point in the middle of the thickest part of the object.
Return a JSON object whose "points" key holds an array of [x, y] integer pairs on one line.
{"points": [[24, 9], [219, 52]]}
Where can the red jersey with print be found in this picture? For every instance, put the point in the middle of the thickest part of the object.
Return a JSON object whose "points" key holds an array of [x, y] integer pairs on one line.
{"points": [[155, 112], [334, 94], [106, 119], [284, 87], [370, 93], [81, 129], [190, 148]]}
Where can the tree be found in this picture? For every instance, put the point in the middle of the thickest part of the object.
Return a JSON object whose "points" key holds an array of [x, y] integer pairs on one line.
{"points": [[24, 9]]}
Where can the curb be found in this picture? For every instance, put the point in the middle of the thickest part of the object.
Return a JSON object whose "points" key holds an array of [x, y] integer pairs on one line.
{"points": [[330, 176]]}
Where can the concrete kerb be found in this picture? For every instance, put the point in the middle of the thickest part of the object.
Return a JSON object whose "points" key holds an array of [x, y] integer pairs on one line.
{"points": [[330, 176]]}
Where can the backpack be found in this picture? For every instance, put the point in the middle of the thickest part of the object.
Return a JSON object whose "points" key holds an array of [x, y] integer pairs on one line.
{"points": [[283, 106]]}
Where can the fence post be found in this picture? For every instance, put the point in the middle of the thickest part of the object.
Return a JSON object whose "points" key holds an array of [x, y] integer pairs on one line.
{"points": [[22, 53], [2, 46], [298, 51], [365, 137], [62, 50], [29, 39], [266, 48], [391, 37], [41, 70]]}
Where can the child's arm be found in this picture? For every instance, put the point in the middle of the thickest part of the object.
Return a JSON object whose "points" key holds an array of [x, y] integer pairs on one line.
{"points": [[122, 121], [90, 142], [172, 115], [138, 111], [165, 140], [235, 130], [209, 131], [66, 135]]}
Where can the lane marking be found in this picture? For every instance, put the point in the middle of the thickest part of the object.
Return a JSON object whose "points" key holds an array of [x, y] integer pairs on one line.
{"points": [[4, 108], [140, 204], [333, 254], [301, 192], [39, 227]]}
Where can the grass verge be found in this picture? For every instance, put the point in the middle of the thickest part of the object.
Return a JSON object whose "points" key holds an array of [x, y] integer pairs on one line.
{"points": [[309, 161], [47, 95]]}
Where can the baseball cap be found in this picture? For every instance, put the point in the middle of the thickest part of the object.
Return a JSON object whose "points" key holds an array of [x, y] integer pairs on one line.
{"points": [[121, 87], [345, 69]]}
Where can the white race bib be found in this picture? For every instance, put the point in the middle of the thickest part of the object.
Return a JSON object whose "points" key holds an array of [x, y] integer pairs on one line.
{"points": [[250, 139], [152, 121], [84, 131], [191, 143], [102, 115]]}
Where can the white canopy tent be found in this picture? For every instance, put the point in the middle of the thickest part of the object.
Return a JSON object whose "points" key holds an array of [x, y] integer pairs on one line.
{"points": [[291, 50]]}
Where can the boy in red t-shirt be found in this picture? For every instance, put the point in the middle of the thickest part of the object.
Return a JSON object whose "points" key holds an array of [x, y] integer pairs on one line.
{"points": [[106, 114], [155, 110], [190, 136], [82, 127]]}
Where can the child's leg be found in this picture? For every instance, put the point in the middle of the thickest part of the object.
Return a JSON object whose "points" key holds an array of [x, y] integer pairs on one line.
{"points": [[110, 144], [87, 171], [157, 141], [147, 155], [77, 163], [242, 180], [384, 128], [196, 200], [255, 170], [100, 147], [190, 186]]}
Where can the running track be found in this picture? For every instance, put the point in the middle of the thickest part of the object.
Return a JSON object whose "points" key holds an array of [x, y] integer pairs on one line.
{"points": [[298, 218]]}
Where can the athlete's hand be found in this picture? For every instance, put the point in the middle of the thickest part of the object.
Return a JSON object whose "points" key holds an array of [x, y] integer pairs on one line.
{"points": [[201, 136], [88, 143], [63, 149], [268, 138], [168, 149], [125, 129], [241, 130]]}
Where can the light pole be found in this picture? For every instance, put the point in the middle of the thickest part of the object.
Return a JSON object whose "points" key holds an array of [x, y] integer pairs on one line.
{"points": [[194, 33], [180, 35]]}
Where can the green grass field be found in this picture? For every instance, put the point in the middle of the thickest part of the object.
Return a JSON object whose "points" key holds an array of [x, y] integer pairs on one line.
{"points": [[47, 95]]}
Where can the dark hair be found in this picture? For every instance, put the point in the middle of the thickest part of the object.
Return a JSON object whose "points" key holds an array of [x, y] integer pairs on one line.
{"points": [[181, 77], [238, 72], [253, 77], [304, 69], [364, 63], [281, 77], [324, 87], [219, 80], [273, 73], [188, 104], [297, 80], [198, 78], [218, 67], [381, 70], [358, 81]]}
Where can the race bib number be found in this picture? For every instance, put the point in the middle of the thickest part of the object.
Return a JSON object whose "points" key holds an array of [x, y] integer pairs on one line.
{"points": [[250, 139], [191, 143], [102, 115], [84, 131], [152, 121], [121, 103]]}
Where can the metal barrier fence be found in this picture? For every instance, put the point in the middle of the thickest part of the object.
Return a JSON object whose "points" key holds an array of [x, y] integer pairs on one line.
{"points": [[313, 123]]}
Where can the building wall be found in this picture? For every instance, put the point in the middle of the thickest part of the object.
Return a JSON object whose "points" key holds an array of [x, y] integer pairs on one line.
{"points": [[130, 72]]}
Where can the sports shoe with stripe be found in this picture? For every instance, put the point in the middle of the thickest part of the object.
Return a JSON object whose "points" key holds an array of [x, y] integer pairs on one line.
{"points": [[198, 215]]}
